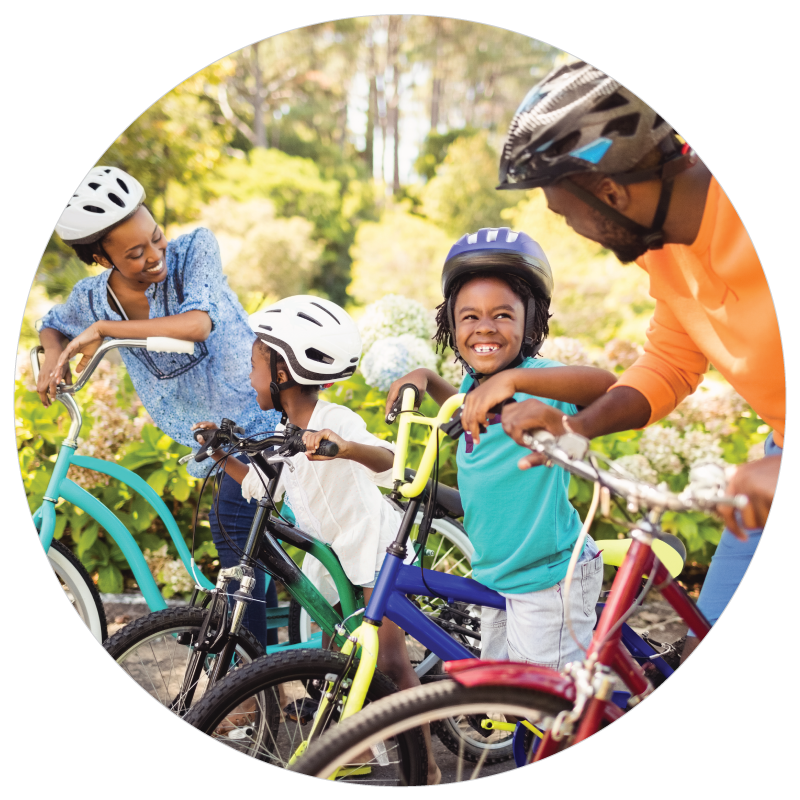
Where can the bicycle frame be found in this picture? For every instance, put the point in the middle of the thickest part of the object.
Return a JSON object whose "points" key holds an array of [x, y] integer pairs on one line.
{"points": [[60, 486]]}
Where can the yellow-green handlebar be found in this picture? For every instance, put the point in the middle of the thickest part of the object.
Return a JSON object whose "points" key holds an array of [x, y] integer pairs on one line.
{"points": [[429, 456], [403, 433]]}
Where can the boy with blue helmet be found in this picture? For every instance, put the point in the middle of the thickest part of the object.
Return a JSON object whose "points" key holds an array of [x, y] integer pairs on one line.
{"points": [[497, 285]]}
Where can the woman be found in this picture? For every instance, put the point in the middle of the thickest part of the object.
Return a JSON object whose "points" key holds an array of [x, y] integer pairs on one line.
{"points": [[152, 287]]}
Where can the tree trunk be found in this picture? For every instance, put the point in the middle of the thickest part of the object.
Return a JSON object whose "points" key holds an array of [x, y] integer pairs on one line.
{"points": [[259, 129], [372, 110], [436, 83], [393, 53]]}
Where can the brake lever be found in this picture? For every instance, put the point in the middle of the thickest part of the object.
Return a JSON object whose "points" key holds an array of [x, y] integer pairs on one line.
{"points": [[395, 410], [454, 429]]}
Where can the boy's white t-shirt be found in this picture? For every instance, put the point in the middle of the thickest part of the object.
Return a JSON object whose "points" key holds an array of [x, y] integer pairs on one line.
{"points": [[338, 502]]}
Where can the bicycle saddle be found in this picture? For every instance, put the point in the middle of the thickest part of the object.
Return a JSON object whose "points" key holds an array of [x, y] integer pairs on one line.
{"points": [[447, 498], [670, 552]]}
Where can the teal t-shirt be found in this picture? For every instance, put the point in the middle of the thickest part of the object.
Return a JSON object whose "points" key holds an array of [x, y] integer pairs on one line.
{"points": [[521, 523]]}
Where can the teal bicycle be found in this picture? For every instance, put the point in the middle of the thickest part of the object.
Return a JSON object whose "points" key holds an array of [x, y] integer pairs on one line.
{"points": [[77, 583]]}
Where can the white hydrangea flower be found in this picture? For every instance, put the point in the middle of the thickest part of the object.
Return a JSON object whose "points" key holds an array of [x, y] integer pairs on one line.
{"points": [[715, 406], [660, 446], [451, 370], [697, 447], [567, 351], [391, 358], [637, 466], [394, 315]]}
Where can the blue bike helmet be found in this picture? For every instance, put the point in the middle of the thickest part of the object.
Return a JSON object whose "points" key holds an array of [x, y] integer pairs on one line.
{"points": [[500, 251]]}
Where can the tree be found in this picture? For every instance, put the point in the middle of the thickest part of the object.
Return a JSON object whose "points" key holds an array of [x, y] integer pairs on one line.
{"points": [[265, 257], [462, 197], [402, 254]]}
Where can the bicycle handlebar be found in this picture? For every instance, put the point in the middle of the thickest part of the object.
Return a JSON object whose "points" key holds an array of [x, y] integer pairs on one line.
{"points": [[288, 443], [154, 344], [704, 492]]}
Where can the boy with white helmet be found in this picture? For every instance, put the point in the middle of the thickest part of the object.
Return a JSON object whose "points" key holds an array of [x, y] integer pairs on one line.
{"points": [[304, 344]]}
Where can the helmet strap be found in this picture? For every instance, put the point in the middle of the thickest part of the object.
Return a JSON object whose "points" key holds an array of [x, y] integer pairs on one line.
{"points": [[276, 388], [653, 236]]}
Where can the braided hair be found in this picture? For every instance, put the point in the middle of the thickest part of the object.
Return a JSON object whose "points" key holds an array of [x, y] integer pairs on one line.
{"points": [[445, 337]]}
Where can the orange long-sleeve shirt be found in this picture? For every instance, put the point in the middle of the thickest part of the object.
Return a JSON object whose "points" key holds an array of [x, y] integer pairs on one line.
{"points": [[712, 305]]}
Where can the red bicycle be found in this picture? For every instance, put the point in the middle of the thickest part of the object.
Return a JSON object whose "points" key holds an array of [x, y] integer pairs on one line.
{"points": [[549, 710]]}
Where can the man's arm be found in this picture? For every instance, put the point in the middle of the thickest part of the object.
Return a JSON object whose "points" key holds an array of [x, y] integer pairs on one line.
{"points": [[621, 409], [577, 385]]}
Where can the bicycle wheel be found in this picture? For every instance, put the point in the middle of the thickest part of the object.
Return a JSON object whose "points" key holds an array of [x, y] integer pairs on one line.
{"points": [[156, 651], [266, 710], [79, 588], [451, 552], [394, 716]]}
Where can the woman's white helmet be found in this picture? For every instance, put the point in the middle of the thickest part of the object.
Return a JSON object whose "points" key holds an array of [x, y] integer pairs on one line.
{"points": [[319, 341], [105, 197]]}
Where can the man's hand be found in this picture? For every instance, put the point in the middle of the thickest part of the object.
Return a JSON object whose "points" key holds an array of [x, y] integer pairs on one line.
{"points": [[312, 440], [528, 416], [478, 402], [757, 480], [416, 377], [85, 343]]}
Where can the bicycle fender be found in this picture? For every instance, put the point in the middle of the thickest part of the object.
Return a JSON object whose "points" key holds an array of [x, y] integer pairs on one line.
{"points": [[475, 672]]}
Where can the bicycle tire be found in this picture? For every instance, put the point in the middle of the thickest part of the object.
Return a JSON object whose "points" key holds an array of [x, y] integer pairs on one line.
{"points": [[142, 646], [394, 715], [79, 588], [220, 713]]}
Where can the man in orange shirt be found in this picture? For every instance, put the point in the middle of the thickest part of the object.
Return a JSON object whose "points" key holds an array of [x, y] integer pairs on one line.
{"points": [[621, 176]]}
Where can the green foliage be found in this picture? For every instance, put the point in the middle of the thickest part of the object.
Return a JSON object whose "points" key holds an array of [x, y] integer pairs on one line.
{"points": [[153, 457], [434, 149], [402, 254], [462, 196]]}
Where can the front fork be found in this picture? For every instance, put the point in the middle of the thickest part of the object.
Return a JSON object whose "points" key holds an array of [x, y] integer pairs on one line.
{"points": [[220, 639], [364, 637]]}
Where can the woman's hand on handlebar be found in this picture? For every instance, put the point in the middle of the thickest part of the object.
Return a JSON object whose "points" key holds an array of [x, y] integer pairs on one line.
{"points": [[313, 439], [477, 403], [49, 377], [528, 416], [86, 344]]}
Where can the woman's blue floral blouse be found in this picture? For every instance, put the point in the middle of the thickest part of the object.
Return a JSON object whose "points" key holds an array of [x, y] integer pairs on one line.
{"points": [[178, 389]]}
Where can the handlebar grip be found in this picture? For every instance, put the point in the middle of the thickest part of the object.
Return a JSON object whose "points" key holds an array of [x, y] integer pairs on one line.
{"points": [[35, 366], [395, 409], [166, 344], [327, 448]]}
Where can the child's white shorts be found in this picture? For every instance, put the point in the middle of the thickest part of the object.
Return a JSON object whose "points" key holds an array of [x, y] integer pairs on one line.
{"points": [[533, 628]]}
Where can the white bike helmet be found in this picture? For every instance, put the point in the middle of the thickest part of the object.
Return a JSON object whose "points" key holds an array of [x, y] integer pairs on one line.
{"points": [[318, 340], [106, 197]]}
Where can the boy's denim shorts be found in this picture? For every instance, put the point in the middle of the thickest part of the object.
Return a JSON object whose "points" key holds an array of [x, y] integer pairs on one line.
{"points": [[533, 628]]}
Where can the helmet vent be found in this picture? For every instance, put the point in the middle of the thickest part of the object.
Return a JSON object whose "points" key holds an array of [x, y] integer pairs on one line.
{"points": [[266, 327], [123, 186], [472, 238], [612, 101], [94, 209], [106, 170], [310, 319], [353, 360], [491, 236], [658, 121], [624, 126], [326, 311], [272, 311], [92, 186], [114, 199], [512, 236], [316, 355], [563, 145]]}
